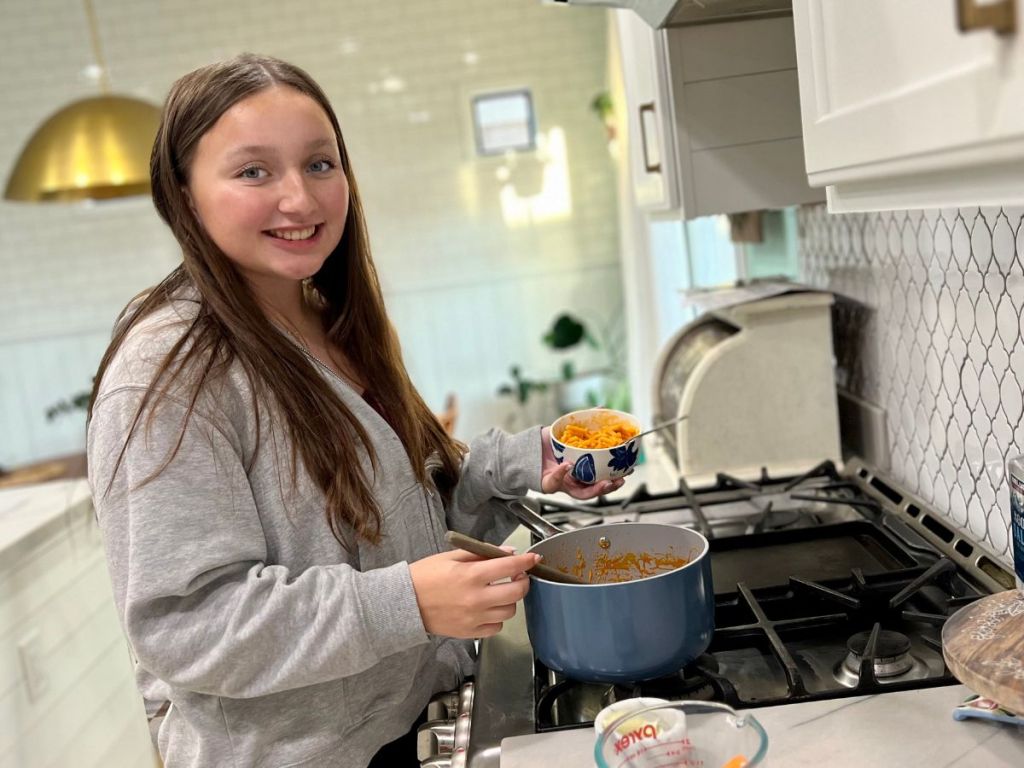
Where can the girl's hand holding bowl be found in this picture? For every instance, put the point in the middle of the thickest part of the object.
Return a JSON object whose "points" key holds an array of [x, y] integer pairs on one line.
{"points": [[582, 471]]}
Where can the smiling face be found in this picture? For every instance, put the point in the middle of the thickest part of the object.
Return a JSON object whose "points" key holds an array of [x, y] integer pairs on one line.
{"points": [[267, 185]]}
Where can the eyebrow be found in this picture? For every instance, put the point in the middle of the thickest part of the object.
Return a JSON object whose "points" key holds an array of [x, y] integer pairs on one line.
{"points": [[257, 149]]}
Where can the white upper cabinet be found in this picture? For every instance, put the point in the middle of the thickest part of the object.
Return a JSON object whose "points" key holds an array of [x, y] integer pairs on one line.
{"points": [[912, 103], [714, 116], [651, 154]]}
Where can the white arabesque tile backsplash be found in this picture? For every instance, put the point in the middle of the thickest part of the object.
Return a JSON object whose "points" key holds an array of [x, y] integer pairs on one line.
{"points": [[929, 325], [476, 255]]}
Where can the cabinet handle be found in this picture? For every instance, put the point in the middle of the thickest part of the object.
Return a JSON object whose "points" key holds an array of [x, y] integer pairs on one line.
{"points": [[1000, 17], [647, 108]]}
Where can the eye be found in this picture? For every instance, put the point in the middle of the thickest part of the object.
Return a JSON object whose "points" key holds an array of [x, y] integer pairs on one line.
{"points": [[252, 172], [322, 165]]}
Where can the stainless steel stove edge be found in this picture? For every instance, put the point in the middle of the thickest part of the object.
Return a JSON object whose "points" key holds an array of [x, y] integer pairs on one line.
{"points": [[503, 700], [934, 527]]}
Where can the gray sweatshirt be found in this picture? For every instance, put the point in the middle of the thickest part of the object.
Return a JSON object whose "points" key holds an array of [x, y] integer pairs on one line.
{"points": [[275, 645]]}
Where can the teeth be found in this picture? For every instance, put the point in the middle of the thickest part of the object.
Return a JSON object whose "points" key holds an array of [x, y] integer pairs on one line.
{"points": [[294, 234]]}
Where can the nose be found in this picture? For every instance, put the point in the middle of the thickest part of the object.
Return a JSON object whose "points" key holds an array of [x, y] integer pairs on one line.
{"points": [[296, 198]]}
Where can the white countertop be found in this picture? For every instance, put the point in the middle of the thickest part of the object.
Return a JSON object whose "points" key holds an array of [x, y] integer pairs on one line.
{"points": [[906, 728], [29, 512]]}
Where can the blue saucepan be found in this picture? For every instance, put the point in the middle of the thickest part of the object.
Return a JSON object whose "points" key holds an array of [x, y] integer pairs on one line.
{"points": [[626, 631]]}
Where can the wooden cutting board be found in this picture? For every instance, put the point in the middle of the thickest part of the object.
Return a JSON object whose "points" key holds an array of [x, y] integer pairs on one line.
{"points": [[983, 644]]}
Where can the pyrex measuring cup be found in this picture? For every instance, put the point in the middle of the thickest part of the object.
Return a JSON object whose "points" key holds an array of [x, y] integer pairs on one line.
{"points": [[695, 734]]}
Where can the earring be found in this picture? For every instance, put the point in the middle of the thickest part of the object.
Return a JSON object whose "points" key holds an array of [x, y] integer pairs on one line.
{"points": [[310, 294]]}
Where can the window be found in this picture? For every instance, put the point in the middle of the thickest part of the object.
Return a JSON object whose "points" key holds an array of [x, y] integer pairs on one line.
{"points": [[504, 121]]}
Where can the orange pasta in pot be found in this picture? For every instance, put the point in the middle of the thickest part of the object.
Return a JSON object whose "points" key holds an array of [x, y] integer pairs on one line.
{"points": [[606, 436], [625, 566]]}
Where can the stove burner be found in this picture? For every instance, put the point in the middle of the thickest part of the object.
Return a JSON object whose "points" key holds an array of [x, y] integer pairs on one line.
{"points": [[889, 646], [693, 682], [890, 660], [571, 703], [565, 702]]}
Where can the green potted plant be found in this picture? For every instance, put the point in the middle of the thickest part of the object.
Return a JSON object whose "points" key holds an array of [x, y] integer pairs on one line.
{"points": [[575, 389]]}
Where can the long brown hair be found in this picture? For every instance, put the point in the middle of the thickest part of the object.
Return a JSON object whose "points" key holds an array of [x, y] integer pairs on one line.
{"points": [[231, 326]]}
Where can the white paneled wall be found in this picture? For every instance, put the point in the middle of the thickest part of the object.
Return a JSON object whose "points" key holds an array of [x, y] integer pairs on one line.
{"points": [[487, 326], [35, 373], [472, 249]]}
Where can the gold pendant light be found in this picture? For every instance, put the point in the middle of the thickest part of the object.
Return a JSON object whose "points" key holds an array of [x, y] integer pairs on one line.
{"points": [[95, 148]]}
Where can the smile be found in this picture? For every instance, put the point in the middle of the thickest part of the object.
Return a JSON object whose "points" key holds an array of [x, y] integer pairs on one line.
{"points": [[305, 233]]}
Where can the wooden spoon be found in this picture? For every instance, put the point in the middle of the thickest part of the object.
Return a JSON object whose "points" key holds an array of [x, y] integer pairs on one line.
{"points": [[483, 549]]}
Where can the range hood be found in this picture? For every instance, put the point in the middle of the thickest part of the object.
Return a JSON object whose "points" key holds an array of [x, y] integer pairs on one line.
{"points": [[679, 13]]}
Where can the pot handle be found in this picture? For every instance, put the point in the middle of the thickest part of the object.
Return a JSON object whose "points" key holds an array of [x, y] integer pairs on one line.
{"points": [[483, 549], [531, 519]]}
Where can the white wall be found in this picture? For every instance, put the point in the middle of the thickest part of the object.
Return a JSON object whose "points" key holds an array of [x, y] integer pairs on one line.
{"points": [[933, 335], [470, 286]]}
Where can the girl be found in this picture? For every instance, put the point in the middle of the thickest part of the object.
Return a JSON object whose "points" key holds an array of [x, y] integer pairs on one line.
{"points": [[272, 491]]}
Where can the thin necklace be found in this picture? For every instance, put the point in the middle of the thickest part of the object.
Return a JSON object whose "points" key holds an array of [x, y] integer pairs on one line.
{"points": [[299, 342], [330, 370], [317, 359]]}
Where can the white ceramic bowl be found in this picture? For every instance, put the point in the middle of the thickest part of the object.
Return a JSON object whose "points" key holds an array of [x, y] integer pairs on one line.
{"points": [[592, 465]]}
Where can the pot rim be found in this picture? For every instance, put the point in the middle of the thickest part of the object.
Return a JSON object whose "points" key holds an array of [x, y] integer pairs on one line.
{"points": [[703, 553]]}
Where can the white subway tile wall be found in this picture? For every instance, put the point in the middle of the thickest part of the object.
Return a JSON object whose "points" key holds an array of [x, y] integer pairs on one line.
{"points": [[477, 255], [929, 327]]}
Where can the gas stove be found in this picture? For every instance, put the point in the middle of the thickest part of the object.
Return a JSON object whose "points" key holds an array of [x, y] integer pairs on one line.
{"points": [[829, 584]]}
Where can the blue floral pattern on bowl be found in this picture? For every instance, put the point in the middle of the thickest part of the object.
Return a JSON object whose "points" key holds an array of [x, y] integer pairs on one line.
{"points": [[585, 470], [558, 449], [624, 456]]}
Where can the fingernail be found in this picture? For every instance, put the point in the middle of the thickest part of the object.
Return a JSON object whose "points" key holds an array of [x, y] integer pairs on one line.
{"points": [[537, 558]]}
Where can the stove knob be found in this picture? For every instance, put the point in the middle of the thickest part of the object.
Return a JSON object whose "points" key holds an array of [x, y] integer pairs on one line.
{"points": [[443, 706], [465, 699], [462, 729], [433, 738]]}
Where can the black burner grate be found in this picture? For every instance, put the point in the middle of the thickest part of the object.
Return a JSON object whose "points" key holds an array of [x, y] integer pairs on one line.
{"points": [[829, 607], [800, 634]]}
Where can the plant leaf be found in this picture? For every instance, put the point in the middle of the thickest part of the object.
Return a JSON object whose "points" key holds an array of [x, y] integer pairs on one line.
{"points": [[565, 333]]}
